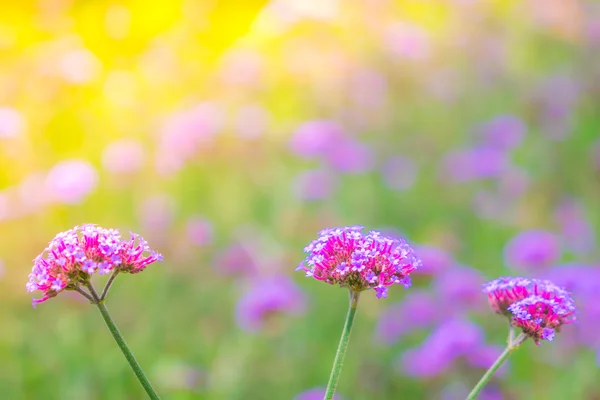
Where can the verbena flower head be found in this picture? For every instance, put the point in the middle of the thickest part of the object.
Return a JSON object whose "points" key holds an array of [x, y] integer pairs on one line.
{"points": [[504, 291], [359, 261], [72, 257], [540, 317]]}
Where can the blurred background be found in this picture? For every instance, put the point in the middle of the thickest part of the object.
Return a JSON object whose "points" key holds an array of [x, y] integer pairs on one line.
{"points": [[228, 135]]}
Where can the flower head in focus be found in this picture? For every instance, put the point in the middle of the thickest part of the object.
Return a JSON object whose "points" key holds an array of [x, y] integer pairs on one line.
{"points": [[359, 261], [540, 318], [505, 291], [72, 257]]}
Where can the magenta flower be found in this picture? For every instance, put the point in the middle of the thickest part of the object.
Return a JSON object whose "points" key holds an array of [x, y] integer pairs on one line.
{"points": [[540, 317], [73, 256], [359, 261], [505, 291]]}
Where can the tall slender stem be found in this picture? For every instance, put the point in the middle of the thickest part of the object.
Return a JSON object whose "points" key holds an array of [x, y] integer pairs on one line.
{"points": [[126, 352], [512, 346], [108, 284], [342, 347]]}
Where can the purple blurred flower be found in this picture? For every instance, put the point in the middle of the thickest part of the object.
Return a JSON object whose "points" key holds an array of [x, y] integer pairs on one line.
{"points": [[268, 296], [418, 309], [484, 355], [532, 250], [503, 132], [399, 173], [359, 261], [251, 121], [199, 231], [123, 156], [450, 340], [316, 184], [351, 157], [71, 181], [470, 164], [186, 132], [315, 394], [434, 260], [12, 122], [577, 232], [459, 287], [316, 138]]}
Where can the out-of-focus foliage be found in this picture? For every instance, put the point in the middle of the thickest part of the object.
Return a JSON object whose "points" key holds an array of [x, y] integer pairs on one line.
{"points": [[229, 135]]}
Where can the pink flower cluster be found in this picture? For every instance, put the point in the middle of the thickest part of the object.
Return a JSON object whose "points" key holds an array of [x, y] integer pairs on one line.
{"points": [[73, 256], [538, 307], [359, 261]]}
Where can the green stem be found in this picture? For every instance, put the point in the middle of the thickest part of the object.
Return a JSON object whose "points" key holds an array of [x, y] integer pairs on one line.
{"points": [[126, 352], [108, 284], [512, 346], [342, 347]]}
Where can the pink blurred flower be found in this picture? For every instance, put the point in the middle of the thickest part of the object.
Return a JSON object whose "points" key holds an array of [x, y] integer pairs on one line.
{"points": [[123, 156], [73, 256], [71, 181], [199, 231], [79, 66], [12, 122], [156, 213], [407, 40], [186, 132]]}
